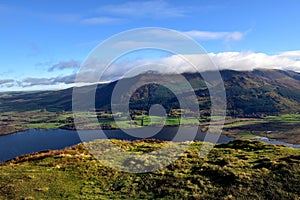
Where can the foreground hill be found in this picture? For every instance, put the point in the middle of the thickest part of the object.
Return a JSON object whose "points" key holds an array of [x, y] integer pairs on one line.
{"points": [[238, 170], [249, 93]]}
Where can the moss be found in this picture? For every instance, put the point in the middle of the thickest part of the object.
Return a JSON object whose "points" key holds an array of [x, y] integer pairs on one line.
{"points": [[238, 170]]}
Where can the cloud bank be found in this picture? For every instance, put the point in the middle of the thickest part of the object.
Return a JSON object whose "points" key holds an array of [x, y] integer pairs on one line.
{"points": [[5, 81], [250, 60], [241, 61], [30, 81], [72, 64]]}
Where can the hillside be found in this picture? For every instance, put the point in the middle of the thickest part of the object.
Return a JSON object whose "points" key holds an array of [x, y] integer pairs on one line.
{"points": [[238, 170], [249, 93]]}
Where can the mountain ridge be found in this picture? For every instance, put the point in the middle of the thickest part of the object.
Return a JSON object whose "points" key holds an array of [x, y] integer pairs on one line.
{"points": [[249, 93]]}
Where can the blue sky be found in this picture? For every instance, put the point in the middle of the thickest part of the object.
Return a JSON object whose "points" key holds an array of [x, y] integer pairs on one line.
{"points": [[44, 42]]}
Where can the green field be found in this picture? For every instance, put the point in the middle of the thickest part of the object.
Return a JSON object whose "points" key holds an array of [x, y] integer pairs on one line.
{"points": [[246, 135], [285, 118], [239, 170], [284, 127]]}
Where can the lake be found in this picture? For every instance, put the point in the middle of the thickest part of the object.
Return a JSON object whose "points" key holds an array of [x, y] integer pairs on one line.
{"points": [[37, 140]]}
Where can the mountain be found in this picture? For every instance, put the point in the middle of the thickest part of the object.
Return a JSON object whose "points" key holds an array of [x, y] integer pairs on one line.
{"points": [[249, 93]]}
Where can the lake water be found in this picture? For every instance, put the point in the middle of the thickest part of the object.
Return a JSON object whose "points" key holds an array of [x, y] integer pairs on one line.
{"points": [[37, 140], [270, 141]]}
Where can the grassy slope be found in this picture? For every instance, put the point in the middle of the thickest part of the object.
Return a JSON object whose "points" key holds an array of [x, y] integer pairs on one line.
{"points": [[252, 93], [239, 170], [283, 127]]}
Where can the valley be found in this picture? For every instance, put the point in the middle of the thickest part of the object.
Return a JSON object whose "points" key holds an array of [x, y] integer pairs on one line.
{"points": [[285, 127], [149, 99], [262, 105]]}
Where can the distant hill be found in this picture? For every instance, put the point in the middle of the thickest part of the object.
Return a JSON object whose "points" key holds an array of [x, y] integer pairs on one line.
{"points": [[249, 93]]}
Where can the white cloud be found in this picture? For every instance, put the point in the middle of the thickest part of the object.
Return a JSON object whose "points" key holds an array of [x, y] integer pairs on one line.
{"points": [[209, 35], [252, 60], [36, 81], [71, 64], [240, 61], [291, 54], [6, 81], [100, 20], [166, 38], [30, 81], [150, 9]]}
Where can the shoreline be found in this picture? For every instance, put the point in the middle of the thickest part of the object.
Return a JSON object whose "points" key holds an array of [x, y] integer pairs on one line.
{"points": [[33, 134], [45, 153], [283, 141], [14, 131]]}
